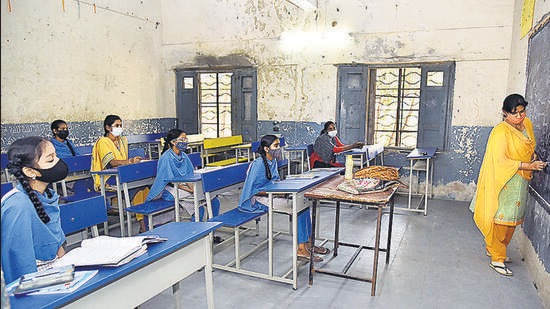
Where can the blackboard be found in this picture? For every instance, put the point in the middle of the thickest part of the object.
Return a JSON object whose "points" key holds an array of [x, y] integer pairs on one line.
{"points": [[538, 95]]}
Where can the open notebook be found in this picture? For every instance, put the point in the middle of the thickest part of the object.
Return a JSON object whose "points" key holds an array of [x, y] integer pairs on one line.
{"points": [[107, 250]]}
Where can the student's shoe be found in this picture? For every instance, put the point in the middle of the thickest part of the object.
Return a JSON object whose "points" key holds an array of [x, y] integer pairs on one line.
{"points": [[500, 268], [506, 260], [218, 240]]}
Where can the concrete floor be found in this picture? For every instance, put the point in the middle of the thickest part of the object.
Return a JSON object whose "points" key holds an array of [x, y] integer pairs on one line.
{"points": [[437, 261]]}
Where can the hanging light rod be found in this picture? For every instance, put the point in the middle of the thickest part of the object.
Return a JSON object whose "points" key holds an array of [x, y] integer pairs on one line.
{"points": [[304, 4]]}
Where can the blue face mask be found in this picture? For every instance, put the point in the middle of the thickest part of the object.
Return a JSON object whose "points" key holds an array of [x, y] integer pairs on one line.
{"points": [[182, 146]]}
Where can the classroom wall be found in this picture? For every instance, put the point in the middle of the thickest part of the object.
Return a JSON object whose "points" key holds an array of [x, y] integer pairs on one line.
{"points": [[297, 82], [81, 64]]}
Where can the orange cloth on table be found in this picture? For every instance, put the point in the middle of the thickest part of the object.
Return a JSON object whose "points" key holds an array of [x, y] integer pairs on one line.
{"points": [[506, 148]]}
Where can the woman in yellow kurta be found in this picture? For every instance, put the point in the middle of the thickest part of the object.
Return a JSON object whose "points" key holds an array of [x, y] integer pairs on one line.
{"points": [[111, 150], [499, 202]]}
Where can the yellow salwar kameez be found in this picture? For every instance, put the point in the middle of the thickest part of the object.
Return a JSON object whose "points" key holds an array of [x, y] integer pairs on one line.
{"points": [[501, 192], [103, 152]]}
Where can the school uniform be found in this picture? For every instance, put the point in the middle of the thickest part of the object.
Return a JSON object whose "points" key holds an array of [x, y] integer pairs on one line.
{"points": [[25, 238], [255, 183]]}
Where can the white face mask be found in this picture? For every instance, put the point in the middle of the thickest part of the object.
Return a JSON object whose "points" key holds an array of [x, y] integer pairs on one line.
{"points": [[332, 133], [117, 131]]}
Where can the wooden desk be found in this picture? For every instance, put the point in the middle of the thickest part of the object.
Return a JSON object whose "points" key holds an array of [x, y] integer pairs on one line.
{"points": [[328, 191], [187, 250], [420, 159]]}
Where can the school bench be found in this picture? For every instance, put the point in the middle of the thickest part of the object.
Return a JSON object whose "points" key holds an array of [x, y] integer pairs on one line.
{"points": [[79, 175], [151, 139], [213, 146], [223, 180], [136, 176]]}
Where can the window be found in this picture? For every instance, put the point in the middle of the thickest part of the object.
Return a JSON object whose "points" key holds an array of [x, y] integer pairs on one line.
{"points": [[400, 106], [397, 97], [215, 104]]}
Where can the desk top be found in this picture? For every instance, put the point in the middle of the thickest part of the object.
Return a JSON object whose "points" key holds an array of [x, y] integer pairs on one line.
{"points": [[296, 148], [196, 177], [295, 184], [422, 153], [179, 234], [242, 146], [328, 190]]}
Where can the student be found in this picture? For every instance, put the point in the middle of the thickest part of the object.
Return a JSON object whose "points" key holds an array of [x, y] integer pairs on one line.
{"points": [[63, 147], [174, 163], [262, 172], [110, 151], [327, 145], [501, 194], [32, 237]]}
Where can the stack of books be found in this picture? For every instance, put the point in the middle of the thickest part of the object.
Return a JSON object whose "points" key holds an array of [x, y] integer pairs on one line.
{"points": [[108, 251]]}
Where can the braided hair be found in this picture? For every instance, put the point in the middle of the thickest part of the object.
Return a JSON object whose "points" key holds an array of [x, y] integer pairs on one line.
{"points": [[109, 120], [327, 124], [25, 152], [266, 141], [171, 135]]}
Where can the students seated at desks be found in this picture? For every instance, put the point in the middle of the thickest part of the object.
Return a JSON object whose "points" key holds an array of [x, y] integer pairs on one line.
{"points": [[262, 172], [110, 151], [31, 228], [175, 163], [63, 147], [327, 145]]}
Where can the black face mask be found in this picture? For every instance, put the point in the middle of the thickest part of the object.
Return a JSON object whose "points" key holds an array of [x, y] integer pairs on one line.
{"points": [[63, 134], [56, 173]]}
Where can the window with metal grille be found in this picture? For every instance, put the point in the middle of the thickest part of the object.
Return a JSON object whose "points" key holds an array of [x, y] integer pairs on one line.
{"points": [[397, 106], [215, 104]]}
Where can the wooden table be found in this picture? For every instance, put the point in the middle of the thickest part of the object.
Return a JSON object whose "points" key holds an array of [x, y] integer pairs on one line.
{"points": [[328, 191]]}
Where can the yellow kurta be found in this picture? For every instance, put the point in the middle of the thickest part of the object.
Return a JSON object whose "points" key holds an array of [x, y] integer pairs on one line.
{"points": [[104, 151], [506, 148]]}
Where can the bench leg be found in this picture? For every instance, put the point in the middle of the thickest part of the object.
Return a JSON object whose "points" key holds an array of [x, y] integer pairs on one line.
{"points": [[150, 218], [129, 217], [237, 254]]}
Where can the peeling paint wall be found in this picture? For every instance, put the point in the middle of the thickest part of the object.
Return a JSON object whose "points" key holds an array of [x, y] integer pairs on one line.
{"points": [[79, 64]]}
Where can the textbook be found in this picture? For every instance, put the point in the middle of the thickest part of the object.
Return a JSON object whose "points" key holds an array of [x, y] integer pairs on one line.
{"points": [[80, 277], [40, 279], [108, 251]]}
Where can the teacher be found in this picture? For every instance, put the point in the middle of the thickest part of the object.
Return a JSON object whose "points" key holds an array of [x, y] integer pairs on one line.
{"points": [[501, 195]]}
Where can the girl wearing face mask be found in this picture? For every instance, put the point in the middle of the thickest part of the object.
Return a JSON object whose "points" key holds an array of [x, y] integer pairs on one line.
{"points": [[174, 163], [110, 151], [327, 145], [63, 147], [32, 237], [262, 172]]}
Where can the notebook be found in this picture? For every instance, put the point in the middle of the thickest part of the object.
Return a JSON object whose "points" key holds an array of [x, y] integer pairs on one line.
{"points": [[108, 251]]}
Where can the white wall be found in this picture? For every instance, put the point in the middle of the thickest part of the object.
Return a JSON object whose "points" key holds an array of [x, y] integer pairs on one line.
{"points": [[300, 84], [79, 65]]}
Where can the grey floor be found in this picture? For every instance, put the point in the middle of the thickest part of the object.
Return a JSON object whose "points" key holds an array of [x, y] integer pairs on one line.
{"points": [[437, 261]]}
